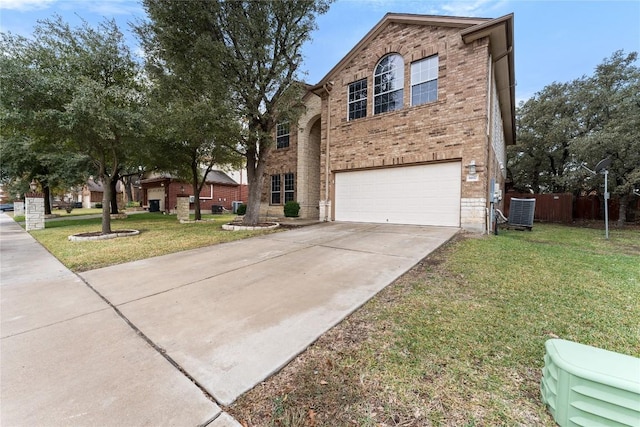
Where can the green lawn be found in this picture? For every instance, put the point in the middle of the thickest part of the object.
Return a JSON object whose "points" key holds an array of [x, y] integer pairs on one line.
{"points": [[159, 235], [459, 340]]}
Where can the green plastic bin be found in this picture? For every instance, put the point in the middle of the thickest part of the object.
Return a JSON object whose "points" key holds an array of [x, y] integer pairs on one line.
{"points": [[588, 386]]}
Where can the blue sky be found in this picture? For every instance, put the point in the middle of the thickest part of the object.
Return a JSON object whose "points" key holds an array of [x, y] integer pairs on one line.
{"points": [[555, 41]]}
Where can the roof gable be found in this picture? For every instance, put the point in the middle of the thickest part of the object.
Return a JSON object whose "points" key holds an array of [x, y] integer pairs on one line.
{"points": [[219, 177], [399, 18], [500, 34]]}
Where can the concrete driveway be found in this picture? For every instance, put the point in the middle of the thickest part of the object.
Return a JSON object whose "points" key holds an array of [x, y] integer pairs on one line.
{"points": [[231, 315], [164, 340]]}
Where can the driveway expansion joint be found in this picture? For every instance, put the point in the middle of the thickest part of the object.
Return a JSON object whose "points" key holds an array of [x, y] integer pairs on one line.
{"points": [[162, 352], [53, 323]]}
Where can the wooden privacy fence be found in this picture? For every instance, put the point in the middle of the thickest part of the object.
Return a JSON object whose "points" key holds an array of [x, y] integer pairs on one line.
{"points": [[549, 207], [565, 208]]}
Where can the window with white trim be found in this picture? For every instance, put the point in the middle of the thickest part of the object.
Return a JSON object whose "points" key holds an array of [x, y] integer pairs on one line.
{"points": [[424, 80], [288, 187], [282, 135], [275, 190], [358, 99], [388, 84]]}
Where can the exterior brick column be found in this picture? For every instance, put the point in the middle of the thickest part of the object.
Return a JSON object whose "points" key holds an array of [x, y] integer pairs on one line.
{"points": [[183, 208], [34, 216]]}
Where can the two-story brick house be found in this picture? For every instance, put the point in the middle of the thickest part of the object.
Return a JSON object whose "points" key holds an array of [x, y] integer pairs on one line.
{"points": [[410, 127]]}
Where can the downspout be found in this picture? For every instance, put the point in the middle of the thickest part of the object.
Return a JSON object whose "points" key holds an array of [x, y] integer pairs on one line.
{"points": [[490, 211]]}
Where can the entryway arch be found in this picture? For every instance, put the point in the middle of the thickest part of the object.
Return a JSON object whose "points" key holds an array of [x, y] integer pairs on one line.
{"points": [[308, 181]]}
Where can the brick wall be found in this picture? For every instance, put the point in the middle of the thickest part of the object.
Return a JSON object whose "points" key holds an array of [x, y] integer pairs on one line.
{"points": [[211, 194], [222, 195], [453, 127], [281, 161]]}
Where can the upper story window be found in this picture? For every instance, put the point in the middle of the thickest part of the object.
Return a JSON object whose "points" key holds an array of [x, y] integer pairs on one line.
{"points": [[282, 135], [358, 99], [424, 80], [388, 84]]}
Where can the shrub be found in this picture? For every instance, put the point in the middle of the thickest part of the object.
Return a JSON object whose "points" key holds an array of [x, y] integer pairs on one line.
{"points": [[242, 209], [98, 205], [291, 209], [133, 204]]}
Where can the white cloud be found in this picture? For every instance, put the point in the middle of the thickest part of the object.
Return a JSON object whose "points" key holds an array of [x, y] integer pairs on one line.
{"points": [[103, 7], [471, 8], [476, 8], [115, 7], [25, 5]]}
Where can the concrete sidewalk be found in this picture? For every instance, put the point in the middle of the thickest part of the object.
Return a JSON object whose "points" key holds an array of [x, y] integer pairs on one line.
{"points": [[67, 357], [223, 318]]}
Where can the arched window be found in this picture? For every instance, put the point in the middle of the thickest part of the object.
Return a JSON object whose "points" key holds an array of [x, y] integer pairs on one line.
{"points": [[388, 84]]}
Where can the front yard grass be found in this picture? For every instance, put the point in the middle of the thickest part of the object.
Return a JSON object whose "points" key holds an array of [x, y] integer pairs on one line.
{"points": [[159, 235], [459, 340]]}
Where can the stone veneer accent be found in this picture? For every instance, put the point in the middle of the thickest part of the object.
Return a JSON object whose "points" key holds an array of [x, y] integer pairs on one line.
{"points": [[34, 217], [18, 208], [473, 213], [183, 208]]}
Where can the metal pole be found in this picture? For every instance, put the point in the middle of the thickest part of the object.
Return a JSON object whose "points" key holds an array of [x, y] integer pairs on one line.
{"points": [[606, 205]]}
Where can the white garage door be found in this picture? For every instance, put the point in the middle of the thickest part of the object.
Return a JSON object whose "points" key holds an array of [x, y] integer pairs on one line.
{"points": [[422, 195]]}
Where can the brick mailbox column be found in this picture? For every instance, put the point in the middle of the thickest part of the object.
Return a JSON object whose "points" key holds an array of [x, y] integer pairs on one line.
{"points": [[34, 215], [183, 208]]}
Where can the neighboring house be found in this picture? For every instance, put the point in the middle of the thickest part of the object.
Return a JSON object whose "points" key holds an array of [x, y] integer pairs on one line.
{"points": [[410, 127], [160, 193], [93, 191]]}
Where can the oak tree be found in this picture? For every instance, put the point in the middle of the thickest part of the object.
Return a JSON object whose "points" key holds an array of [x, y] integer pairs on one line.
{"points": [[257, 47]]}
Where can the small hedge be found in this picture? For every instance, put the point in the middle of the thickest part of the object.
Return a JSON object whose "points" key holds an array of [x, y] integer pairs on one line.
{"points": [[291, 209], [242, 209]]}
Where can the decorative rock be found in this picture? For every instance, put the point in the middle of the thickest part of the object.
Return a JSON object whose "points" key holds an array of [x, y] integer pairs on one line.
{"points": [[238, 227], [82, 237]]}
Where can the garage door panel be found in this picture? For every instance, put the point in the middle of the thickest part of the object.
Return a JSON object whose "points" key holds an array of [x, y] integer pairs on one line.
{"points": [[423, 195]]}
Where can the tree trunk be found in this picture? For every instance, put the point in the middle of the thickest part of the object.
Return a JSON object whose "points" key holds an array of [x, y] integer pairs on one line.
{"points": [[47, 199], [255, 180], [114, 196], [196, 185], [106, 202], [196, 204], [622, 210], [128, 185]]}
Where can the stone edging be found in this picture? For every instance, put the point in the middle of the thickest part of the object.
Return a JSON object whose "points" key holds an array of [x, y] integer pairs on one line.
{"points": [[233, 227], [115, 234]]}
